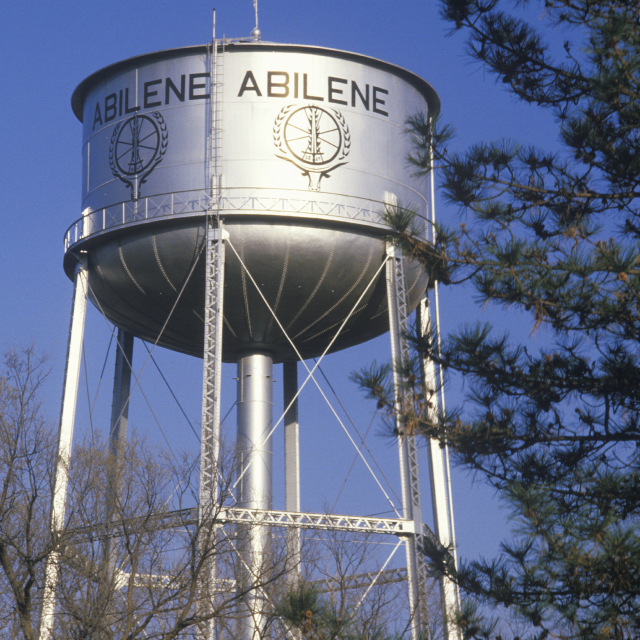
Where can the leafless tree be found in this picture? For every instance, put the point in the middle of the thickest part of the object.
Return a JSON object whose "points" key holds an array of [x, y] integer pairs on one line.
{"points": [[27, 456], [342, 594], [161, 558], [145, 572], [143, 567]]}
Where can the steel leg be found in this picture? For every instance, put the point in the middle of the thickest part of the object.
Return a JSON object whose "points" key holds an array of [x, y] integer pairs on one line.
{"points": [[65, 438], [210, 436], [441, 507], [408, 453]]}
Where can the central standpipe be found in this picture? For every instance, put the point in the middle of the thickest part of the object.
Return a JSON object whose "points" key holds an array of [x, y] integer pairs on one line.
{"points": [[255, 418]]}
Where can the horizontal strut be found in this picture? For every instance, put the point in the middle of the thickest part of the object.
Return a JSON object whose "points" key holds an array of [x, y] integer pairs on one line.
{"points": [[328, 585], [189, 517]]}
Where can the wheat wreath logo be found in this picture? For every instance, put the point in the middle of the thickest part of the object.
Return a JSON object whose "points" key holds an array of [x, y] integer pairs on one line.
{"points": [[315, 140], [137, 148]]}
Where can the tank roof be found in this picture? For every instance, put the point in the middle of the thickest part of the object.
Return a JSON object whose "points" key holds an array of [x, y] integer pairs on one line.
{"points": [[80, 93]]}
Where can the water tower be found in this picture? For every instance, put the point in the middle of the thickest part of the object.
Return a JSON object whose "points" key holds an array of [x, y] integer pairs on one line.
{"points": [[232, 209]]}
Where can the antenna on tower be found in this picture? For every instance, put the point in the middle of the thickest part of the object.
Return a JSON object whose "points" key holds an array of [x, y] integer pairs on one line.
{"points": [[256, 32]]}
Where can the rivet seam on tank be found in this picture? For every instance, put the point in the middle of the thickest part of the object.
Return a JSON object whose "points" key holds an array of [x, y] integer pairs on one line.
{"points": [[197, 243], [336, 324], [348, 293], [285, 268], [324, 275], [198, 315], [233, 333], [415, 282], [99, 270], [384, 310], [198, 250], [155, 253], [307, 152], [244, 283], [124, 264]]}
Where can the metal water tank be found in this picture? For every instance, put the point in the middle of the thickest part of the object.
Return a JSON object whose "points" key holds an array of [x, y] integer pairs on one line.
{"points": [[310, 142]]}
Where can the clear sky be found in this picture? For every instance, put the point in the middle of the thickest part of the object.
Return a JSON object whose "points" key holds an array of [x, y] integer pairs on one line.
{"points": [[47, 48]]}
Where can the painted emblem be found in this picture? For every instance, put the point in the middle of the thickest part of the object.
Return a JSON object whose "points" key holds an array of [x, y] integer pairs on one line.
{"points": [[314, 139], [137, 148]]}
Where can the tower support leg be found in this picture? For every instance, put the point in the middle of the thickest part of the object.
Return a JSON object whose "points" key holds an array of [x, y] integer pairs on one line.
{"points": [[255, 416], [291, 467], [210, 500], [442, 509], [407, 449], [117, 434], [65, 439]]}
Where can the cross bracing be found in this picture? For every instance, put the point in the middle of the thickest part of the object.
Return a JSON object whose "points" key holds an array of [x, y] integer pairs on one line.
{"points": [[189, 517], [319, 521], [360, 580], [327, 585]]}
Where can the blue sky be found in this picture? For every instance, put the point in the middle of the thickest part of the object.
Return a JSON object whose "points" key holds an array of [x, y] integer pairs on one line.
{"points": [[47, 48]]}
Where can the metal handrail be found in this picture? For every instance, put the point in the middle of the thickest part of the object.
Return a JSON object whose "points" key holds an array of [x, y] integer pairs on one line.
{"points": [[233, 201]]}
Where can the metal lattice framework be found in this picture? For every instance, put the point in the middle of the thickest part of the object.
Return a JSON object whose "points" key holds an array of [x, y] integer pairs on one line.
{"points": [[190, 517], [361, 580], [320, 521], [328, 585], [213, 322], [407, 448]]}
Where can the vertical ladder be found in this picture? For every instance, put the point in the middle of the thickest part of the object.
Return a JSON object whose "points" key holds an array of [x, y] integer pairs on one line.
{"points": [[216, 71]]}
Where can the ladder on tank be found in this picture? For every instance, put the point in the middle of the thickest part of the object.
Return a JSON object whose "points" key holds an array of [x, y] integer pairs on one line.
{"points": [[216, 70]]}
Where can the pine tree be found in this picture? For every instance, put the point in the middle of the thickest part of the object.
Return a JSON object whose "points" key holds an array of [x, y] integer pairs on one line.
{"points": [[557, 235]]}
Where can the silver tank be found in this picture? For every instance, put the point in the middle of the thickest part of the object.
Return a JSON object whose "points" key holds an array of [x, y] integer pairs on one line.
{"points": [[310, 144]]}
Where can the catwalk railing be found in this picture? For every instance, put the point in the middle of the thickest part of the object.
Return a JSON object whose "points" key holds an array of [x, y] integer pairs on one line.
{"points": [[232, 201]]}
